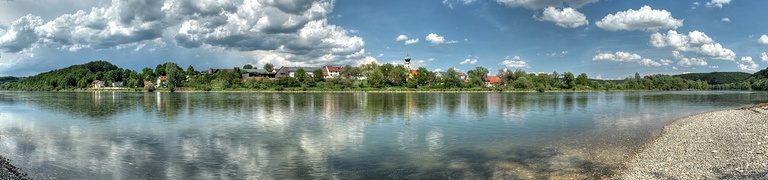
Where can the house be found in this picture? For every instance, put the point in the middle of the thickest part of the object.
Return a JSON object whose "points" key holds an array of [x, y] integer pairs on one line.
{"points": [[161, 81], [118, 84], [331, 71], [461, 75], [289, 71], [97, 84], [491, 81], [413, 73], [258, 73]]}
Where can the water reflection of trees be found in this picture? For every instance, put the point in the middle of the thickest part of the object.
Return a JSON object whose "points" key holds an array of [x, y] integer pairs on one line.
{"points": [[311, 135], [90, 105]]}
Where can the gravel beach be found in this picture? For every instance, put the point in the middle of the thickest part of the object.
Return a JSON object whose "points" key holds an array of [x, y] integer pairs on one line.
{"points": [[731, 144], [8, 171]]}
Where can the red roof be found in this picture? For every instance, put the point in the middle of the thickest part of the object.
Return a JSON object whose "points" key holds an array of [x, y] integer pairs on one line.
{"points": [[162, 78], [330, 68], [461, 74], [414, 72], [493, 79], [146, 82]]}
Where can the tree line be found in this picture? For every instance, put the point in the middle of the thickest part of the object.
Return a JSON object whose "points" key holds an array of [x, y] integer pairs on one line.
{"points": [[370, 76]]}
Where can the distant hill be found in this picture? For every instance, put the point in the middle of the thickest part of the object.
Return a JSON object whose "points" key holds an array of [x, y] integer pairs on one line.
{"points": [[716, 78], [72, 77], [762, 74], [8, 79]]}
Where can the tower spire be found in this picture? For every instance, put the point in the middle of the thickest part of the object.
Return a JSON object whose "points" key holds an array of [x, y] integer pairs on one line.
{"points": [[407, 60]]}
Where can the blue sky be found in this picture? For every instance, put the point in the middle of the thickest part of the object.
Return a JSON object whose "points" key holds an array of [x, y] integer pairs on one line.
{"points": [[606, 39]]}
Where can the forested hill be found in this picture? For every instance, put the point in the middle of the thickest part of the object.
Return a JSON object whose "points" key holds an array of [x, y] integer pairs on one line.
{"points": [[75, 76], [716, 78]]}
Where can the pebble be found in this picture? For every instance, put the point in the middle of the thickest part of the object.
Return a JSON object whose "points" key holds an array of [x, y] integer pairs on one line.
{"points": [[733, 137]]}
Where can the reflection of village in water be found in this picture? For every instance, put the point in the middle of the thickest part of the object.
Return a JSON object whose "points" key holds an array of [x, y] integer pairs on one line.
{"points": [[330, 135]]}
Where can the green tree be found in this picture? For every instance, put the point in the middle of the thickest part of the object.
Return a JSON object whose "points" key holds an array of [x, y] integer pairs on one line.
{"points": [[397, 75], [569, 80], [582, 79], [147, 74], [477, 76], [160, 70], [376, 79], [451, 79], [317, 75], [247, 66], [269, 67], [175, 74], [424, 77], [300, 75], [191, 70]]}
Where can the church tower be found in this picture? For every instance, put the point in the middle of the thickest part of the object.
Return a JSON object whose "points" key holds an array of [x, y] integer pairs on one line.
{"points": [[407, 61]]}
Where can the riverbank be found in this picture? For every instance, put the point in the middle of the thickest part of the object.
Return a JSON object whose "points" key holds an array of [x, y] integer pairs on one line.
{"points": [[8, 171], [731, 144]]}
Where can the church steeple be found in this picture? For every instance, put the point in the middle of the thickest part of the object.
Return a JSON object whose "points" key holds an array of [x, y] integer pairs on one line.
{"points": [[407, 61]]}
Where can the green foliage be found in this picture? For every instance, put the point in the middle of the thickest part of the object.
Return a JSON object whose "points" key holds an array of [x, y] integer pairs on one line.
{"points": [[300, 75], [476, 76], [370, 77], [423, 77], [397, 75], [376, 78], [317, 75], [72, 77], [191, 71], [269, 67], [248, 66], [716, 78], [568, 80], [452, 80], [175, 74]]}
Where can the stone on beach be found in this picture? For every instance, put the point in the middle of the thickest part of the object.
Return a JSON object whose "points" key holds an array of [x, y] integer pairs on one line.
{"points": [[716, 145]]}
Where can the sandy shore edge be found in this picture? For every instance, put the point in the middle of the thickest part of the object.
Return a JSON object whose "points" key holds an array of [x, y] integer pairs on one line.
{"points": [[730, 144]]}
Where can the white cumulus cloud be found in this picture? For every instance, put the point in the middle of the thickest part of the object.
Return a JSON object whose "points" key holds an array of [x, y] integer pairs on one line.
{"points": [[764, 57], [401, 37], [566, 17], [688, 62], [717, 51], [695, 41], [763, 39], [681, 42], [435, 39], [628, 57], [746, 64], [718, 3], [726, 19], [293, 31], [21, 34], [537, 4], [617, 57], [469, 61], [649, 63], [514, 62], [645, 18]]}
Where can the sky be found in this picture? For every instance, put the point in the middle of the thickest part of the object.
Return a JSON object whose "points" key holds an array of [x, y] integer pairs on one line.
{"points": [[607, 39]]}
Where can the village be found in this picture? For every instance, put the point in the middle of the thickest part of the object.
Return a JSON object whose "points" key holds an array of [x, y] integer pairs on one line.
{"points": [[326, 72]]}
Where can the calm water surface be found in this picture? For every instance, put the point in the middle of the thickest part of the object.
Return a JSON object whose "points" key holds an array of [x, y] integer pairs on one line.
{"points": [[105, 135]]}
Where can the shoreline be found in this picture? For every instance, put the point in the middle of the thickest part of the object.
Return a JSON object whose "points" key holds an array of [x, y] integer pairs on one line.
{"points": [[8, 171], [727, 144], [353, 91]]}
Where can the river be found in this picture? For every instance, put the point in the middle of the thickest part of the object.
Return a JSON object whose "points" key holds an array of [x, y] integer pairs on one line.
{"points": [[252, 135]]}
